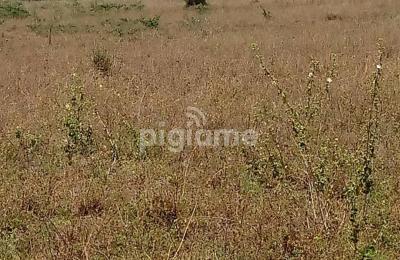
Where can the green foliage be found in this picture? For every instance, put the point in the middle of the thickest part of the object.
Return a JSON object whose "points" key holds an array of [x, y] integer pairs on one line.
{"points": [[43, 29], [151, 23], [10, 245], [318, 157], [195, 2], [368, 253], [128, 141], [138, 5], [251, 184], [121, 27], [28, 145], [79, 134], [13, 10], [362, 184], [105, 7], [28, 142], [201, 8]]}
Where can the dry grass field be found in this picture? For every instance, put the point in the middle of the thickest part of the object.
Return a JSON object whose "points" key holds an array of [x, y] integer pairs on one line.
{"points": [[318, 80]]}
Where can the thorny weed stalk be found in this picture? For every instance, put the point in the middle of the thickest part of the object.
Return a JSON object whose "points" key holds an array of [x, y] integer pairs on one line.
{"points": [[79, 135], [297, 125], [303, 139], [311, 106], [331, 75], [317, 153], [111, 140], [360, 190], [372, 127]]}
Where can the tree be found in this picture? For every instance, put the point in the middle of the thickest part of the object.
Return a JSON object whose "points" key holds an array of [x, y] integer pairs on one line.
{"points": [[195, 2]]}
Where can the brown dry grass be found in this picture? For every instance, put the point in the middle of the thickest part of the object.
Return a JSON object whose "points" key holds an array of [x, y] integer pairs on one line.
{"points": [[274, 201]]}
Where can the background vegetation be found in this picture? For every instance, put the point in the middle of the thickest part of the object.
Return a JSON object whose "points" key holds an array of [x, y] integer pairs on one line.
{"points": [[318, 79]]}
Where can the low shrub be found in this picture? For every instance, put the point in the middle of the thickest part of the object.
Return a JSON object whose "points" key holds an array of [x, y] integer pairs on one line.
{"points": [[13, 10]]}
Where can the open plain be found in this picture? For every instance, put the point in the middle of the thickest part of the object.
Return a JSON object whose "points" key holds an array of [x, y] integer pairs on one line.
{"points": [[318, 80]]}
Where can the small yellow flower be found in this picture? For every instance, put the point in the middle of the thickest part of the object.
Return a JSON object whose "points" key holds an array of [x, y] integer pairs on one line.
{"points": [[254, 46]]}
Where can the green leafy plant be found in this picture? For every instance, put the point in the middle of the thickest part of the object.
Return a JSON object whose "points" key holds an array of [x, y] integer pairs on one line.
{"points": [[43, 29], [368, 253], [13, 10], [201, 8], [106, 7], [122, 26], [195, 2], [79, 134], [319, 156], [151, 23], [362, 186]]}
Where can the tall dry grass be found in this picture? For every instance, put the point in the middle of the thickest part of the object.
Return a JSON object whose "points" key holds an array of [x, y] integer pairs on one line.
{"points": [[321, 183]]}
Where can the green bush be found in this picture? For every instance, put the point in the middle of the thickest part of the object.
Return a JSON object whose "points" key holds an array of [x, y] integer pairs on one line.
{"points": [[107, 7], [195, 2], [13, 10], [151, 22], [79, 133]]}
